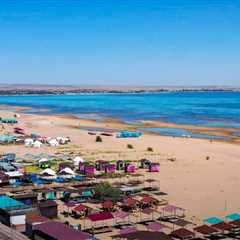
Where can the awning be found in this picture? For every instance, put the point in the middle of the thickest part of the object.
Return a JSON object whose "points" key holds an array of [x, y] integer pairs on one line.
{"points": [[233, 216], [213, 220], [100, 216], [205, 229], [80, 208]]}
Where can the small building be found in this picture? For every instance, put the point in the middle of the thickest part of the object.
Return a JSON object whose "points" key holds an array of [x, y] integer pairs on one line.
{"points": [[48, 209], [59, 231], [13, 212], [30, 198], [32, 220]]}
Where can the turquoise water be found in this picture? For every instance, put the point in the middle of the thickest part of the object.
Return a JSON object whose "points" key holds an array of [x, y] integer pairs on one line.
{"points": [[176, 132], [195, 108]]}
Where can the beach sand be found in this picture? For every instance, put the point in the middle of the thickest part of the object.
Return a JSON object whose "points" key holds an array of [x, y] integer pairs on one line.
{"points": [[204, 187]]}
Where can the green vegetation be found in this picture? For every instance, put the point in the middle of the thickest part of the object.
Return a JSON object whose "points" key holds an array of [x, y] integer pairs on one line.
{"points": [[130, 146], [104, 191], [150, 149], [98, 139]]}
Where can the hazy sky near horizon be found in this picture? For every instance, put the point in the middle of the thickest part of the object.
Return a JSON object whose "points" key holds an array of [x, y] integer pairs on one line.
{"points": [[153, 42]]}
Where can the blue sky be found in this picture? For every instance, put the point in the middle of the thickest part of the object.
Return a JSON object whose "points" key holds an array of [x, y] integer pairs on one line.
{"points": [[123, 42]]}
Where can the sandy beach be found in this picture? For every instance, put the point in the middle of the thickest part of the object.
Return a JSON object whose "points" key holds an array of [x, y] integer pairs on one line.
{"points": [[199, 175]]}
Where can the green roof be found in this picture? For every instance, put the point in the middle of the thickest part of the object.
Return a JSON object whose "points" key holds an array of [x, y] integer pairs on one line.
{"points": [[7, 202]]}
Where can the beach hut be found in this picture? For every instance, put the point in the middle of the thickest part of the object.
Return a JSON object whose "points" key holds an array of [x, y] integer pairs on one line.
{"points": [[77, 160], [206, 230], [89, 170], [120, 165], [101, 165], [145, 163], [130, 168], [101, 217], [110, 168], [37, 144], [154, 167]]}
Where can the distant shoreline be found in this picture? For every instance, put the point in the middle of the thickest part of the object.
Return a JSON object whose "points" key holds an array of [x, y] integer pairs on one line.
{"points": [[95, 91], [24, 89]]}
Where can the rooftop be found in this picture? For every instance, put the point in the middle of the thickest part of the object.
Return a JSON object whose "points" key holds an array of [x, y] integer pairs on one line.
{"points": [[9, 203]]}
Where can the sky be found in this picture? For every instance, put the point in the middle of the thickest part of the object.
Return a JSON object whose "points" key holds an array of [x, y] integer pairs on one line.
{"points": [[123, 42]]}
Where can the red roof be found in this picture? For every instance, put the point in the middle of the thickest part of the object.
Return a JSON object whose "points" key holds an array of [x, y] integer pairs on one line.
{"points": [[182, 233], [100, 216], [223, 226], [148, 199], [107, 204], [205, 229], [130, 201], [61, 231], [80, 208]]}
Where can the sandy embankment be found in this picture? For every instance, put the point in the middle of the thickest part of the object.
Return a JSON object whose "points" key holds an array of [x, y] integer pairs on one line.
{"points": [[204, 187]]}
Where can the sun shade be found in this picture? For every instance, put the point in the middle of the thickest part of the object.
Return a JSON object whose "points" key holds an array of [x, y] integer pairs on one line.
{"points": [[100, 216]]}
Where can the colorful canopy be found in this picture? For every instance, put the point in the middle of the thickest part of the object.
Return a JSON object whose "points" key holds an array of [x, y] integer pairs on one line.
{"points": [[205, 229], [148, 200], [171, 208], [156, 226], [80, 208], [107, 204], [223, 226], [148, 211], [183, 233], [128, 230], [121, 214], [100, 216], [234, 216], [213, 220]]}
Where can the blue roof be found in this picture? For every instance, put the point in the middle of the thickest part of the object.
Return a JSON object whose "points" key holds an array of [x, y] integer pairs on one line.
{"points": [[234, 216], [213, 220], [7, 202]]}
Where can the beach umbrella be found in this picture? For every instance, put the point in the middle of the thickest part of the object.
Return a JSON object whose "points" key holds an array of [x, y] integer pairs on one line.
{"points": [[68, 171]]}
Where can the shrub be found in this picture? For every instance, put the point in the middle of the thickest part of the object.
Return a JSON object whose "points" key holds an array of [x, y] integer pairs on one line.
{"points": [[98, 139], [150, 149], [105, 191], [130, 146]]}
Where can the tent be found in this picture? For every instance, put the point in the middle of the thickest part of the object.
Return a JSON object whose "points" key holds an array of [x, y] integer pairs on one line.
{"points": [[53, 143], [48, 174], [28, 142], [77, 160], [67, 172], [37, 144]]}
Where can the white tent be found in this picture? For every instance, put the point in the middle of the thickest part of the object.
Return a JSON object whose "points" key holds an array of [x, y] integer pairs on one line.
{"points": [[53, 143], [28, 142], [37, 144], [67, 171], [49, 172], [43, 160], [77, 160]]}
